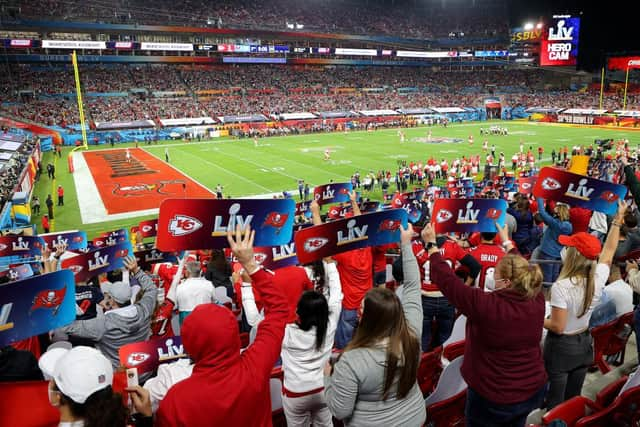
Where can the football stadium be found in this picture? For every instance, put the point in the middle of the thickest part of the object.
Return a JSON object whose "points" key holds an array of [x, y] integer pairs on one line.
{"points": [[386, 213]]}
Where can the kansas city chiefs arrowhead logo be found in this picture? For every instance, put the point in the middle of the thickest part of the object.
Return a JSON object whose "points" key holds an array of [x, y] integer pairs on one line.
{"points": [[75, 268], [135, 359], [3, 247], [146, 228], [443, 216], [525, 185], [259, 257], [550, 184], [181, 225], [314, 243]]}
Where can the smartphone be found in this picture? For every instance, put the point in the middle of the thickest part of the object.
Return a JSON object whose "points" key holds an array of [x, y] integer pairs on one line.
{"points": [[132, 381]]}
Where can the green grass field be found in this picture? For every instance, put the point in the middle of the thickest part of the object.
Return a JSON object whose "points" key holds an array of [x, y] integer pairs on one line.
{"points": [[279, 162]]}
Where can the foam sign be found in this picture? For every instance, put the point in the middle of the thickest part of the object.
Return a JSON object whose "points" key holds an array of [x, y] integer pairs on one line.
{"points": [[367, 207], [339, 211], [148, 228], [152, 256], [332, 193], [72, 239], [147, 355], [468, 215], [579, 190], [410, 202], [203, 223], [21, 246], [377, 228], [20, 272], [525, 185], [101, 260], [36, 305], [303, 208]]}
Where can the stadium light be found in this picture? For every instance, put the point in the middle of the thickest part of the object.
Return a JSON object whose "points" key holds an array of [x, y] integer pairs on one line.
{"points": [[528, 26], [539, 25], [299, 26]]}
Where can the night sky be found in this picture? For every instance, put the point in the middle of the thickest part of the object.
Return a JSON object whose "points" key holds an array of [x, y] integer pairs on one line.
{"points": [[606, 28]]}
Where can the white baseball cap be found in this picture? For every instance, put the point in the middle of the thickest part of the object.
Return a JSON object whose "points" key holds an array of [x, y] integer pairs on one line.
{"points": [[78, 373], [119, 291]]}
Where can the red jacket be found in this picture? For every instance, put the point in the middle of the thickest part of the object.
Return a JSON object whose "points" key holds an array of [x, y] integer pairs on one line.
{"points": [[502, 353], [356, 276], [226, 387], [45, 222]]}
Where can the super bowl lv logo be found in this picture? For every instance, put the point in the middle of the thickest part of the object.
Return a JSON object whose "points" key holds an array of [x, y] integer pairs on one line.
{"points": [[283, 251], [468, 215], [172, 351], [220, 229], [50, 299], [353, 233], [20, 245], [581, 191], [98, 261]]}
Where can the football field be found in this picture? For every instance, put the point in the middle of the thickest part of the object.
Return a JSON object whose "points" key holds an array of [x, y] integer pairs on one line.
{"points": [[277, 163]]}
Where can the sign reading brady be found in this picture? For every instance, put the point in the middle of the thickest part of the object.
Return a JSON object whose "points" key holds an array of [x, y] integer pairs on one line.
{"points": [[579, 190], [468, 215], [36, 305], [102, 260], [22, 246], [203, 223], [332, 193], [72, 239], [377, 228], [147, 355]]}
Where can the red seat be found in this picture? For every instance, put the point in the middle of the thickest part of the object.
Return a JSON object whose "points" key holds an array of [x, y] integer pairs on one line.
{"points": [[26, 404], [608, 394], [571, 411], [624, 411], [448, 412], [429, 370], [453, 350], [608, 340]]}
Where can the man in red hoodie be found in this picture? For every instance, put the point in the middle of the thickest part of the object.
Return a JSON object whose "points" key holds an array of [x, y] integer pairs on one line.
{"points": [[226, 387]]}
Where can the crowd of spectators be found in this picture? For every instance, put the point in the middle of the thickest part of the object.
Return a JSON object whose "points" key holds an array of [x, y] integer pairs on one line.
{"points": [[478, 18], [46, 95], [11, 171]]}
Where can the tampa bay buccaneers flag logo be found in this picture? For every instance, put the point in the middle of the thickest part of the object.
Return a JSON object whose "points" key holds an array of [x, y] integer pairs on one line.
{"points": [[276, 220], [49, 299], [389, 225]]}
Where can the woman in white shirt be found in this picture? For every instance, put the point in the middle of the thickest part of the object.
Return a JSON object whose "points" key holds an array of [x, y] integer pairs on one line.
{"points": [[306, 349], [568, 347]]}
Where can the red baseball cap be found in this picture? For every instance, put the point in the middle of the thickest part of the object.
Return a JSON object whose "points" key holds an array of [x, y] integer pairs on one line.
{"points": [[587, 244]]}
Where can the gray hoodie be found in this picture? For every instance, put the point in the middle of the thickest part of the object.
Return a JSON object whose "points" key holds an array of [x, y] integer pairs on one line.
{"points": [[121, 326], [354, 391]]}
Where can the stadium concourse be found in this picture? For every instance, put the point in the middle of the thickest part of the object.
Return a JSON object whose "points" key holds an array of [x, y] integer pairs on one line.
{"points": [[327, 213]]}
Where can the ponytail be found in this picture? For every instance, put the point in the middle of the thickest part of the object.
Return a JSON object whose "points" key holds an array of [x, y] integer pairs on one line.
{"points": [[589, 291]]}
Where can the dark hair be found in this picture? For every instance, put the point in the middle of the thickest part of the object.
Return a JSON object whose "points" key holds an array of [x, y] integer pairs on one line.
{"points": [[630, 220], [114, 276], [313, 310], [488, 236], [383, 318], [103, 408]]}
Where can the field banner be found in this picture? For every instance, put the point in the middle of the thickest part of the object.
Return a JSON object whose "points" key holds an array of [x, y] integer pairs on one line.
{"points": [[203, 223], [468, 215], [526, 184], [153, 256], [36, 305], [21, 246], [332, 193], [410, 202], [377, 228], [72, 239], [147, 355], [579, 190], [148, 228], [87, 265]]}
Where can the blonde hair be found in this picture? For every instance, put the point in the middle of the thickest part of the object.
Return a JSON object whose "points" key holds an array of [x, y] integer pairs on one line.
{"points": [[563, 212], [576, 266], [525, 279]]}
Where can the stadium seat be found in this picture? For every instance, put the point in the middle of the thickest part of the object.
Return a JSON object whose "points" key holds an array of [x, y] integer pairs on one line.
{"points": [[26, 404], [453, 350], [458, 332], [609, 393], [624, 411], [450, 384], [448, 412], [611, 339], [275, 384], [429, 370], [571, 411]]}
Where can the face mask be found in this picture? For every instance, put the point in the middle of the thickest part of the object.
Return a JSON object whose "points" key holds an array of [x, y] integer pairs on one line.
{"points": [[563, 254]]}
